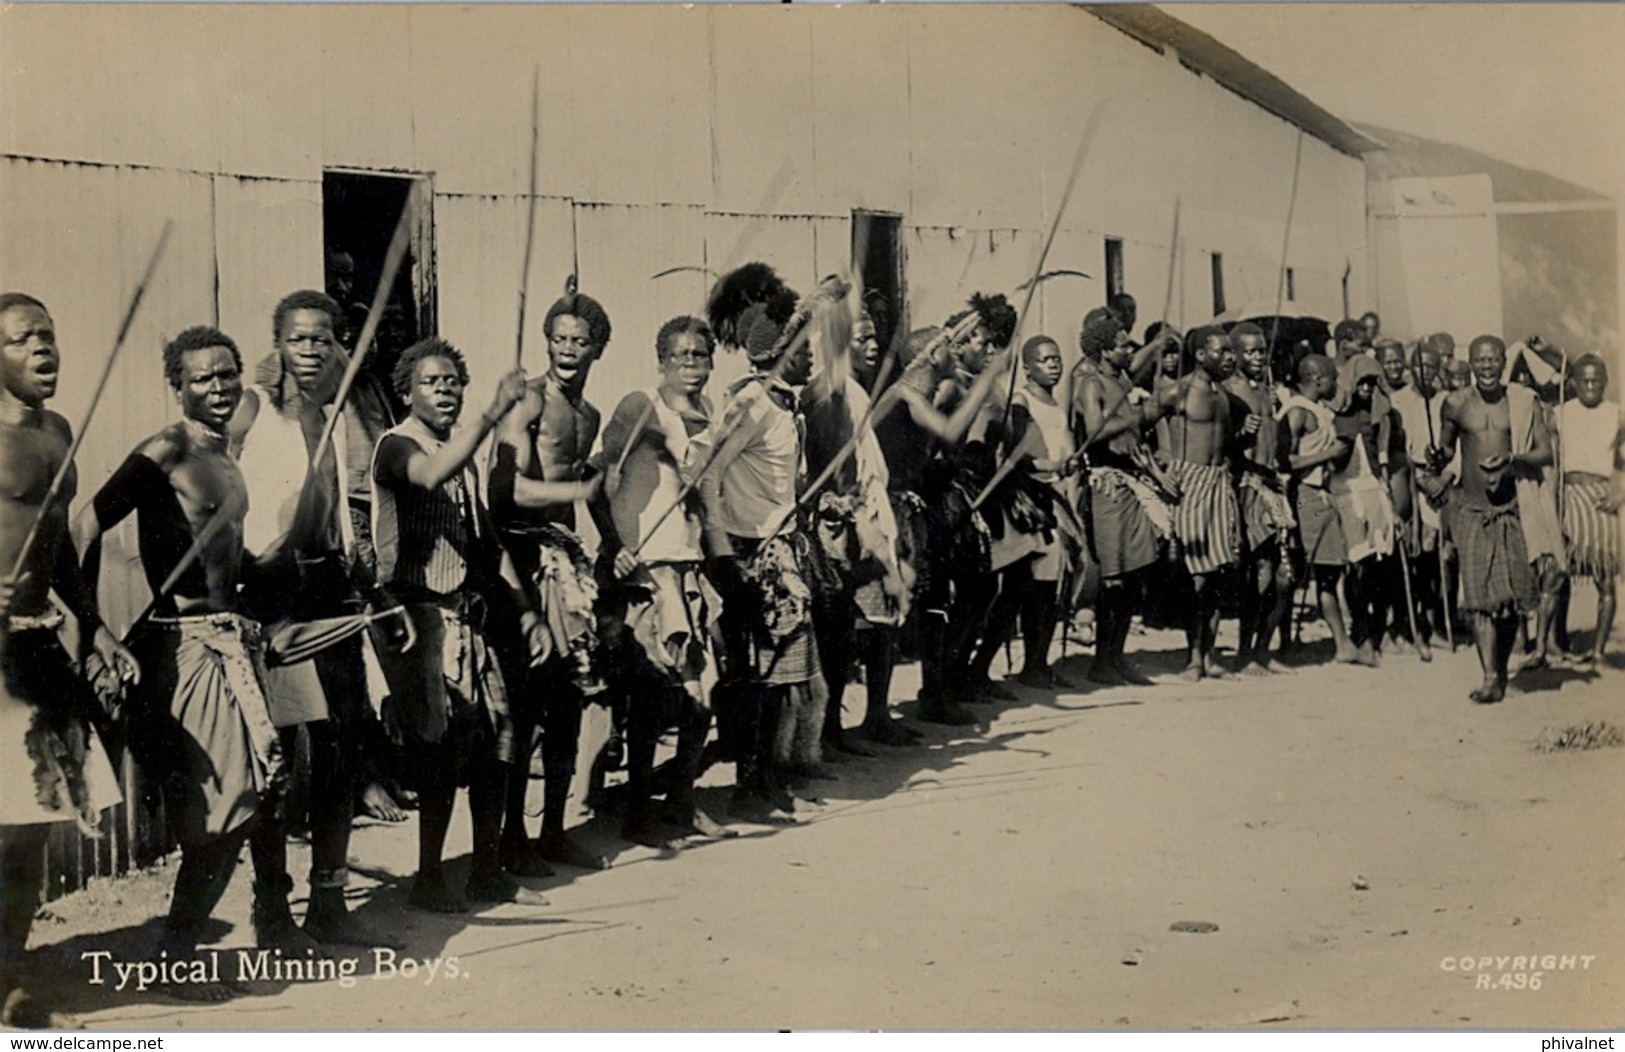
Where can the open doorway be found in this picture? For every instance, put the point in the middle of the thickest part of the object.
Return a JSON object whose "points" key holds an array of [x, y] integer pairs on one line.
{"points": [[877, 239], [359, 212]]}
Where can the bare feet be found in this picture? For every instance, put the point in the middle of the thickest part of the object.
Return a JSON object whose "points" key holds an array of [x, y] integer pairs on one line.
{"points": [[1491, 692], [842, 743], [522, 858], [22, 1011], [1366, 655], [429, 892], [560, 848], [886, 731], [1106, 674], [1131, 674], [1192, 672], [751, 807], [340, 927], [496, 887], [377, 803]]}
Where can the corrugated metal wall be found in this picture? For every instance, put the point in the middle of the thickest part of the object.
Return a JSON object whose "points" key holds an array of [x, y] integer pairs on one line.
{"points": [[669, 137]]}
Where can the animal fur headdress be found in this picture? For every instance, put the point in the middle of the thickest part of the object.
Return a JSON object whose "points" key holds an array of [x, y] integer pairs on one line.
{"points": [[749, 308]]}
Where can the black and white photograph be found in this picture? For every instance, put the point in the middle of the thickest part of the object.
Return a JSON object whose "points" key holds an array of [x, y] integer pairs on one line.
{"points": [[811, 516]]}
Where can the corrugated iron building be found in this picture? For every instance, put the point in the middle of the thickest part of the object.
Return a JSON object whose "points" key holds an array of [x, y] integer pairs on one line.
{"points": [[669, 137]]}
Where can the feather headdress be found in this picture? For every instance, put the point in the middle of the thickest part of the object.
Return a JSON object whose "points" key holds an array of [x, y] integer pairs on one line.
{"points": [[749, 308]]}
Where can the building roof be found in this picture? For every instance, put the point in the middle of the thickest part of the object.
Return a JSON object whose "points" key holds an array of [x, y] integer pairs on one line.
{"points": [[1158, 30], [1401, 155]]}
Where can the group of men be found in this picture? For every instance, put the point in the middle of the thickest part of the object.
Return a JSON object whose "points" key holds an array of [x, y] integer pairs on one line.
{"points": [[856, 497]]}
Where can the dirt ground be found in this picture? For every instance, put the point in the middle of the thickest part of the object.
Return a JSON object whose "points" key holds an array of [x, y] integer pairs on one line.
{"points": [[1353, 834]]}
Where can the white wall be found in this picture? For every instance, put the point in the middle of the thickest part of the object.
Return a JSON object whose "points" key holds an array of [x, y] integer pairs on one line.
{"points": [[666, 135]]}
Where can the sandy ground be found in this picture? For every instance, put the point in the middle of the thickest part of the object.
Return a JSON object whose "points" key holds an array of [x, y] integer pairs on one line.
{"points": [[1352, 834]]}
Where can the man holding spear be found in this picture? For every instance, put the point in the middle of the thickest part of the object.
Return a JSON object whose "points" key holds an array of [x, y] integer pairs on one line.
{"points": [[52, 768], [305, 579], [746, 471]]}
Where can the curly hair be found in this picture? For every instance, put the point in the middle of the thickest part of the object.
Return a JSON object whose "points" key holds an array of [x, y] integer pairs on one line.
{"points": [[9, 300], [587, 309], [431, 347], [304, 299], [684, 325], [197, 338], [994, 313]]}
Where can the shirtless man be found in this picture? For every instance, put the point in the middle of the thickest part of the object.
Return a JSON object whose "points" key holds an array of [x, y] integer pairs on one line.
{"points": [[539, 471], [1308, 434], [199, 724], [437, 556], [303, 571], [658, 605], [1207, 520], [1498, 586], [46, 706], [917, 439], [854, 532], [879, 626], [1122, 487], [1593, 432], [1266, 513]]}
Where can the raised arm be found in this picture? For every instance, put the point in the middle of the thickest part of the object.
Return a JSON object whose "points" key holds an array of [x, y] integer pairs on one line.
{"points": [[431, 470]]}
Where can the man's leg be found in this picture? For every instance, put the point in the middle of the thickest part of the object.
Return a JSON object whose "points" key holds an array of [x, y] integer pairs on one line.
{"points": [[335, 754], [1361, 591], [1210, 595], [1002, 617], [431, 766], [1326, 585], [520, 854], [487, 790], [1195, 617], [22, 876], [1606, 602], [274, 928], [835, 638], [200, 882], [561, 737], [1040, 608], [1550, 580], [877, 648]]}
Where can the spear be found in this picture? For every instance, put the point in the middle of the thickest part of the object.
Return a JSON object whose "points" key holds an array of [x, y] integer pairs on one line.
{"points": [[530, 210], [1089, 129], [393, 257], [230, 508], [54, 492]]}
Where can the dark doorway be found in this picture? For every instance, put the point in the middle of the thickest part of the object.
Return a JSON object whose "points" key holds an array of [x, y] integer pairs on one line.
{"points": [[359, 213], [1114, 267], [878, 238]]}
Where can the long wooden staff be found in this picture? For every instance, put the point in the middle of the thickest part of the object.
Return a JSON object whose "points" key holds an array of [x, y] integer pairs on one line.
{"points": [[54, 492], [870, 418], [1444, 578], [1286, 240], [530, 211], [380, 297], [1084, 142], [229, 509]]}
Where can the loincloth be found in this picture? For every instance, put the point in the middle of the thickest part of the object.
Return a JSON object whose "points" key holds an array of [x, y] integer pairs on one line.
{"points": [[1496, 577], [566, 591], [449, 686], [203, 725], [1124, 529], [1592, 534], [1320, 528], [1207, 520], [52, 766], [1266, 514]]}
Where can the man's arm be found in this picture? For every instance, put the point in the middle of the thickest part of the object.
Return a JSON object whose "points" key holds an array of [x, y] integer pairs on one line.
{"points": [[431, 470], [1128, 413], [1296, 430], [742, 423]]}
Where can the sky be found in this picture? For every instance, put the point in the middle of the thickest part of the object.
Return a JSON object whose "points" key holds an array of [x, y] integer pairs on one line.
{"points": [[1538, 85]]}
